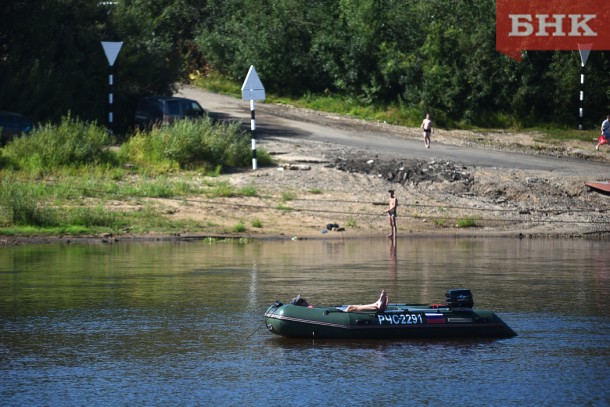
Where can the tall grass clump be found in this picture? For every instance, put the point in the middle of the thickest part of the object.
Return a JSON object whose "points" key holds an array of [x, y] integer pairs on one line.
{"points": [[20, 205], [70, 143], [466, 222], [189, 144], [91, 217]]}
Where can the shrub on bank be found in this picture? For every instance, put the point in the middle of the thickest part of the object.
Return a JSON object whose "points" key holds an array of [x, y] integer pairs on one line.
{"points": [[70, 143], [56, 179], [188, 144]]}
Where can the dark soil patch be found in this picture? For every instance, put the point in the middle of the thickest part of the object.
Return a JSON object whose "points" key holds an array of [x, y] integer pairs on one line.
{"points": [[408, 172]]}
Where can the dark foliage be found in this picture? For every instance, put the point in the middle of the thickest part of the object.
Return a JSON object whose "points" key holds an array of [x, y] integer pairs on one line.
{"points": [[434, 55]]}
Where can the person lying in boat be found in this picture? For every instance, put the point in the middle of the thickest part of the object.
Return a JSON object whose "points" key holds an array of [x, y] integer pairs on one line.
{"points": [[380, 305]]}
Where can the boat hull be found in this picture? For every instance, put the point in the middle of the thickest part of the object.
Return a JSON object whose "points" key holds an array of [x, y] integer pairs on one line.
{"points": [[397, 322], [602, 187]]}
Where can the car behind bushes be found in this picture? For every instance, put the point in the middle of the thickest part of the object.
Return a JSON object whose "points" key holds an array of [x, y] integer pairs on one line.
{"points": [[162, 110], [13, 124]]}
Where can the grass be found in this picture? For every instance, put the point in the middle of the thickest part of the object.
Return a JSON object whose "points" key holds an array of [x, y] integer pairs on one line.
{"points": [[249, 190], [59, 179], [24, 205], [466, 222], [22, 209], [217, 83], [351, 222], [221, 189], [239, 227], [562, 134], [288, 196], [75, 206], [214, 240], [440, 222]]}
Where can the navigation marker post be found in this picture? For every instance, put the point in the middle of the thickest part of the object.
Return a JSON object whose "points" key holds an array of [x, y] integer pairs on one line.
{"points": [[584, 50], [111, 49], [252, 90]]}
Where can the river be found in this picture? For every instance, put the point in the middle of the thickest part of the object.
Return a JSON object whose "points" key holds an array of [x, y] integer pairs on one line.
{"points": [[181, 323]]}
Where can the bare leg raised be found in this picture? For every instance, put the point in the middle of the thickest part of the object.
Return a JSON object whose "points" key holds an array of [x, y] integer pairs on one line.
{"points": [[380, 305]]}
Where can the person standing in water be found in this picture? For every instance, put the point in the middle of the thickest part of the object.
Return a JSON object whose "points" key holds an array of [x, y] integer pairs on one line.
{"points": [[392, 204], [426, 126]]}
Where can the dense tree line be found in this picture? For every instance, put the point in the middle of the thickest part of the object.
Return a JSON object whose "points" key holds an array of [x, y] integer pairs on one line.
{"points": [[436, 55], [52, 61]]}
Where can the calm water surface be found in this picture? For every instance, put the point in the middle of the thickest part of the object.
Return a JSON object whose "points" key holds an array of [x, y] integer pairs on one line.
{"points": [[181, 323]]}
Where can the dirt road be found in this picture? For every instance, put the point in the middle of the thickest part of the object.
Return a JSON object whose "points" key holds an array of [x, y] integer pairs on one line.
{"points": [[502, 149]]}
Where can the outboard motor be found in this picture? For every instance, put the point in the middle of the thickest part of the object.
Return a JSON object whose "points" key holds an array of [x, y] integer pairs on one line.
{"points": [[460, 298]]}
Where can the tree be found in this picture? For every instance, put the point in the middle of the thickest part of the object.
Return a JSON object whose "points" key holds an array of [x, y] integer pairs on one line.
{"points": [[46, 70], [60, 67], [428, 54]]}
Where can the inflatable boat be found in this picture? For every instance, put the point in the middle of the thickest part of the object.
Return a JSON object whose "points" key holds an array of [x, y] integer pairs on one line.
{"points": [[454, 319]]}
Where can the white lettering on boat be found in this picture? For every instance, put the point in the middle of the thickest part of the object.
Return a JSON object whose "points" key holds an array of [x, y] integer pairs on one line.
{"points": [[400, 319]]}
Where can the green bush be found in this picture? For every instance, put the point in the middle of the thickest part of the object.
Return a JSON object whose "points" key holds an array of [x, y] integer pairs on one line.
{"points": [[239, 227], [467, 222], [190, 144], [70, 143]]}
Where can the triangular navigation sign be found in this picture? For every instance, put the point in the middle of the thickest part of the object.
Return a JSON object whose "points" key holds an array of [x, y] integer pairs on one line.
{"points": [[585, 50], [253, 88], [111, 49]]}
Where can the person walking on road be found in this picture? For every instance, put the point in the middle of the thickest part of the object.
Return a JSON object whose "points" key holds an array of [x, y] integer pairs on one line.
{"points": [[392, 204], [603, 139], [426, 126]]}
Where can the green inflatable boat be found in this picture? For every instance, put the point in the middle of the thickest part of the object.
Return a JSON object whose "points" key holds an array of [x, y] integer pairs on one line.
{"points": [[454, 319]]}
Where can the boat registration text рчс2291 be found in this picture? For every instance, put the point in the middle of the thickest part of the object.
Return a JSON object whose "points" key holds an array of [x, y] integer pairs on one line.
{"points": [[454, 319]]}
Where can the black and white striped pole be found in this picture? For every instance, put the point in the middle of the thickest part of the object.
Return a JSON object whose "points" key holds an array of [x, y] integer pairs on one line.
{"points": [[111, 49], [582, 95], [252, 90], [252, 134], [584, 50]]}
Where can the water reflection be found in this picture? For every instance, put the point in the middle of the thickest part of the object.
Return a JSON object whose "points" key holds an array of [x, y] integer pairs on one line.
{"points": [[505, 274]]}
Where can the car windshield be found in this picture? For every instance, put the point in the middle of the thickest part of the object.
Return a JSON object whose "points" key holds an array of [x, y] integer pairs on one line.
{"points": [[194, 107]]}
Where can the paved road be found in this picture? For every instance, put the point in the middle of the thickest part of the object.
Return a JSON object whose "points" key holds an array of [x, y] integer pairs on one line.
{"points": [[268, 124]]}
